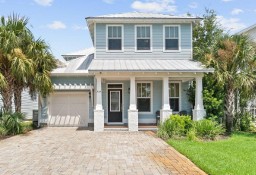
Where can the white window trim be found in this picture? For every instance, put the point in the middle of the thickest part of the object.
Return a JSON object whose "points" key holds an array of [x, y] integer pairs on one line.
{"points": [[179, 50], [122, 37], [151, 96], [179, 82], [135, 38]]}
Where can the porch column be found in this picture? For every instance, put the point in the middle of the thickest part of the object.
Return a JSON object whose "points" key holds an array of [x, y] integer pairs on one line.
{"points": [[98, 111], [199, 111], [166, 111], [133, 111]]}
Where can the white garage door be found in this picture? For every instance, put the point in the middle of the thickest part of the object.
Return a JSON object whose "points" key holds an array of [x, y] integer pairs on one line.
{"points": [[69, 109]]}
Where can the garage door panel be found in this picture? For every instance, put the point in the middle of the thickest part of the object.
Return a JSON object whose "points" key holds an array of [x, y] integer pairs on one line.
{"points": [[69, 109]]}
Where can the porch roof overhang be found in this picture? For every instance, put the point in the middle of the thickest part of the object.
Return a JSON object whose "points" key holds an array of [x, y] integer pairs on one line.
{"points": [[147, 65], [70, 87]]}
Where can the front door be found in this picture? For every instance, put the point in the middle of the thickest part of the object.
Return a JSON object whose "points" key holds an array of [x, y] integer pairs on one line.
{"points": [[115, 106]]}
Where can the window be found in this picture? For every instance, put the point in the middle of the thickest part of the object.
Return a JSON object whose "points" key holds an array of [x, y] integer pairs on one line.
{"points": [[174, 96], [114, 34], [144, 97], [171, 38], [143, 35]]}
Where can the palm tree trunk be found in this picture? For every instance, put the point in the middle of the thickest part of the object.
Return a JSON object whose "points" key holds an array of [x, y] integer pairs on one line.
{"points": [[17, 98], [229, 108], [7, 93]]}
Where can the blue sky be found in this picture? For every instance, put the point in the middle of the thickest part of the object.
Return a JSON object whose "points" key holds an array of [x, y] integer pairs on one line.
{"points": [[62, 22]]}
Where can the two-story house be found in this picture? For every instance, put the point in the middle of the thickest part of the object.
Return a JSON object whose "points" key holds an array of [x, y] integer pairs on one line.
{"points": [[141, 64]]}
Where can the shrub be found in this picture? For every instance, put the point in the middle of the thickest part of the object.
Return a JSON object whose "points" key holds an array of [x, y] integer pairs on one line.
{"points": [[191, 134], [27, 126], [2, 131], [208, 129], [176, 125], [13, 122]]}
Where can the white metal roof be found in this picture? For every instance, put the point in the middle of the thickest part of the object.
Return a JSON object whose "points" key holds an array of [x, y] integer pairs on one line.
{"points": [[76, 66], [145, 65], [141, 15], [81, 52]]}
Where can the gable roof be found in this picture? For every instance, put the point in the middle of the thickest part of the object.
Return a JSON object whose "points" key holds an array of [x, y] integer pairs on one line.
{"points": [[76, 66]]}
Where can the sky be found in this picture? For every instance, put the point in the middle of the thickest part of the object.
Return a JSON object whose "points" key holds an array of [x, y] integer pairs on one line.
{"points": [[61, 23]]}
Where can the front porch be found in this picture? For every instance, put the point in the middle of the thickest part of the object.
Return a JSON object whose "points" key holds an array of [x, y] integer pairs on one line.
{"points": [[139, 97]]}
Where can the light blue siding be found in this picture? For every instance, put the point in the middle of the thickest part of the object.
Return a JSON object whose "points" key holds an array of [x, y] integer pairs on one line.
{"points": [[185, 105], [157, 43], [27, 104], [73, 80]]}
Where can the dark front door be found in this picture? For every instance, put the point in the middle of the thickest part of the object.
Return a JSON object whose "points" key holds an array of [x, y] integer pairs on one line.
{"points": [[115, 106]]}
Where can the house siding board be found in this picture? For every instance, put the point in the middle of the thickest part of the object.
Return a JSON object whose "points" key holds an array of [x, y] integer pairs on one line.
{"points": [[157, 42], [73, 80], [185, 105], [27, 104]]}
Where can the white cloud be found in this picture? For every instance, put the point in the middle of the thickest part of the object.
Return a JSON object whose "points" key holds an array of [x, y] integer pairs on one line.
{"points": [[231, 24], [55, 25], [77, 27], [227, 0], [193, 5], [236, 11], [156, 6], [108, 1], [44, 2]]}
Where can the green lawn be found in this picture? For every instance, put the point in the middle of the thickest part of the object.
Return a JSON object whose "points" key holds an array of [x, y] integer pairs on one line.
{"points": [[236, 155]]}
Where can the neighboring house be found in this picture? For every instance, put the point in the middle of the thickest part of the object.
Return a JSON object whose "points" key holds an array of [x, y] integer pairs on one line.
{"points": [[251, 33], [142, 64], [28, 105]]}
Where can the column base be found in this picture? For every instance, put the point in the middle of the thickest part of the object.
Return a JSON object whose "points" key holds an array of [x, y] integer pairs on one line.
{"points": [[133, 120], [98, 120], [165, 114], [198, 114]]}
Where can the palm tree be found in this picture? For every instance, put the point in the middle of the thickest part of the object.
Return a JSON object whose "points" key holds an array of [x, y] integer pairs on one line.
{"points": [[12, 59], [234, 62]]}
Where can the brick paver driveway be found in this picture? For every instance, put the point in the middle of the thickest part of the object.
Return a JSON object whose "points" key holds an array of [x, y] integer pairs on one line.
{"points": [[72, 151]]}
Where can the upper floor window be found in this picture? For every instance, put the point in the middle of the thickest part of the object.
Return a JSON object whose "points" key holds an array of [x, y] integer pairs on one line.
{"points": [[174, 96], [171, 38], [114, 37], [143, 38]]}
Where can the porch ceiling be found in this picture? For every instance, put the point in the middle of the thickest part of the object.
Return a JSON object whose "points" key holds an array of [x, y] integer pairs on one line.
{"points": [[146, 65]]}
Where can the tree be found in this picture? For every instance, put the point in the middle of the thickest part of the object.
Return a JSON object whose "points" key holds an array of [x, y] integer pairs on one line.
{"points": [[205, 37], [25, 62], [234, 62]]}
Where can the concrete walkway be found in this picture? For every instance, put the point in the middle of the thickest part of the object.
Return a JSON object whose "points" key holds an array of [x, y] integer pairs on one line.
{"points": [[72, 151]]}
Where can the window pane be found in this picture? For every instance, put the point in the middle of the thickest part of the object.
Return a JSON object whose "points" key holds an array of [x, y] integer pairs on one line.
{"points": [[177, 89], [138, 32], [171, 44], [144, 93], [148, 90], [115, 101], [174, 104], [148, 32], [143, 104], [109, 31], [114, 32], [139, 90], [114, 44], [171, 32], [167, 32], [143, 44], [119, 32], [176, 34]]}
